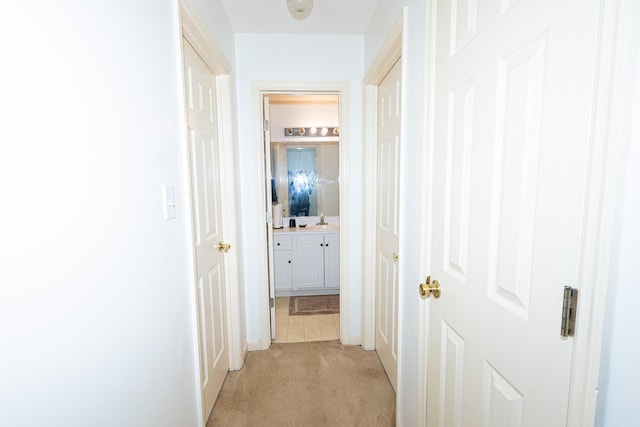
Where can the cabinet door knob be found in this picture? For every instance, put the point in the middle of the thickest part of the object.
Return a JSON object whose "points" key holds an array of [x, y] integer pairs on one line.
{"points": [[321, 244], [278, 244], [289, 261]]}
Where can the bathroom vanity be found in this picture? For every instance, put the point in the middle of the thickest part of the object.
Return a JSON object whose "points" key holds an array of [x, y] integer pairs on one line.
{"points": [[307, 260]]}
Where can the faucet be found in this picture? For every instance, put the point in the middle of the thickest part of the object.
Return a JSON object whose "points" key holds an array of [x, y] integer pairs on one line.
{"points": [[321, 220]]}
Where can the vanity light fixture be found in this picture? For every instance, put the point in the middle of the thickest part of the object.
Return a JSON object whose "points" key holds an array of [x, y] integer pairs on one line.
{"points": [[300, 9], [312, 131]]}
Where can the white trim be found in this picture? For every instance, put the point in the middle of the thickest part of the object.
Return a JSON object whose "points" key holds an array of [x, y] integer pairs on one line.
{"points": [[185, 186], [369, 160], [611, 92], [255, 345], [193, 29], [387, 56], [196, 32], [424, 308], [245, 350], [355, 340], [404, 229], [227, 182], [389, 53], [257, 90]]}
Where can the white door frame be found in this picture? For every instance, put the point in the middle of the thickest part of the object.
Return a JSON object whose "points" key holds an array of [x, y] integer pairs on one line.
{"points": [[614, 45], [257, 90], [195, 31], [387, 56], [389, 53]]}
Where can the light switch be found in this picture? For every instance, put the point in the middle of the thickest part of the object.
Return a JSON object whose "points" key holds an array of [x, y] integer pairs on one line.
{"points": [[169, 200]]}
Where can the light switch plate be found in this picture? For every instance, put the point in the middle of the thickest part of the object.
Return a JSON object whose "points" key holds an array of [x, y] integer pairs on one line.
{"points": [[169, 200]]}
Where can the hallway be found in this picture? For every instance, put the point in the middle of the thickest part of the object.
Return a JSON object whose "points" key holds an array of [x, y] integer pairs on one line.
{"points": [[307, 384]]}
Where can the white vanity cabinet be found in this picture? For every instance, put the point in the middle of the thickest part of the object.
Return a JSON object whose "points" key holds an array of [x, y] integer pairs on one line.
{"points": [[306, 263]]}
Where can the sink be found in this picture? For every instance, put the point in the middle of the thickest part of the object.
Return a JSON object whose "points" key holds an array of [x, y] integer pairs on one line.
{"points": [[322, 227]]}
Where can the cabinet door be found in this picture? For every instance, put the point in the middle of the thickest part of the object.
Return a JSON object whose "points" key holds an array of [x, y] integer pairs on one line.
{"points": [[282, 270], [332, 261], [310, 261]]}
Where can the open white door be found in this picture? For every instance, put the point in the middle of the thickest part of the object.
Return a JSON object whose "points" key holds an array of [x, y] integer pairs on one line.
{"points": [[268, 197], [511, 114], [204, 153], [387, 232]]}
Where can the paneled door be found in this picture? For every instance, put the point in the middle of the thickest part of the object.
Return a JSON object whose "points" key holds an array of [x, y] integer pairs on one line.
{"points": [[271, 260], [209, 248], [388, 148], [513, 99]]}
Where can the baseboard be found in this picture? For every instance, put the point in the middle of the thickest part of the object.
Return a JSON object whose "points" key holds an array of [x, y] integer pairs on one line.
{"points": [[254, 345], [245, 351], [352, 340]]}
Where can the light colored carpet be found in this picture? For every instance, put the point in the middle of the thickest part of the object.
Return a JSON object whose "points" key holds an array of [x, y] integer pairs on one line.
{"points": [[307, 384]]}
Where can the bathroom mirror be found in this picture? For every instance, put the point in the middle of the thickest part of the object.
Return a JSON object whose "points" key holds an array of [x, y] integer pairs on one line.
{"points": [[304, 167], [306, 178]]}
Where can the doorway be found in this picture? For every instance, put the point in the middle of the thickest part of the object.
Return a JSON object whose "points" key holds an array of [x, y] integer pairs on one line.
{"points": [[216, 329], [307, 261], [302, 194]]}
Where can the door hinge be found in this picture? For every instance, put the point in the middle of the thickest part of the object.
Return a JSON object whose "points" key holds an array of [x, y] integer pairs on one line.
{"points": [[272, 302], [265, 125], [269, 218], [569, 308]]}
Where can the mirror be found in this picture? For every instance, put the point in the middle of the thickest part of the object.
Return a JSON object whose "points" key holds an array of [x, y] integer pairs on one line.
{"points": [[305, 167], [306, 178]]}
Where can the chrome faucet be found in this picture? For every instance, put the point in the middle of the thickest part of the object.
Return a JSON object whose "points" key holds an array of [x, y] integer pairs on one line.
{"points": [[321, 220]]}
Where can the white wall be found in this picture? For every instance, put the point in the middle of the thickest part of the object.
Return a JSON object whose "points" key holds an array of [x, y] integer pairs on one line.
{"points": [[281, 57], [386, 13], [213, 14], [619, 375], [301, 115], [96, 320]]}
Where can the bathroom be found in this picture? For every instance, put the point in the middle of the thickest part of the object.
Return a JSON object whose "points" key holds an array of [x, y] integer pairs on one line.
{"points": [[303, 163]]}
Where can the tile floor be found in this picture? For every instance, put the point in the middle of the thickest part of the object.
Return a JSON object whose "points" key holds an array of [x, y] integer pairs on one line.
{"points": [[318, 327]]}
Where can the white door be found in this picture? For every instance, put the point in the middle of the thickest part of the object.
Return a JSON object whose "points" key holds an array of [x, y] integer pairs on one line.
{"points": [[205, 187], [269, 211], [513, 98], [387, 221]]}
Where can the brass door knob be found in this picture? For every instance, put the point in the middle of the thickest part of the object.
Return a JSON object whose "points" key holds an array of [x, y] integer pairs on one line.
{"points": [[430, 288], [223, 247]]}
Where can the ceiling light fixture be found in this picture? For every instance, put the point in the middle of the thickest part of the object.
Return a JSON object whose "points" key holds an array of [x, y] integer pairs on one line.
{"points": [[300, 9]]}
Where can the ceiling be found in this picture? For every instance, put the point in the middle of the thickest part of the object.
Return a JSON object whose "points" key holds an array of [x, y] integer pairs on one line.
{"points": [[327, 17]]}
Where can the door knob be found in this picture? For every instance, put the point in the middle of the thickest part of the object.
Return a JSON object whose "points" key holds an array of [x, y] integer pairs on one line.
{"points": [[223, 247], [395, 256], [430, 288]]}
